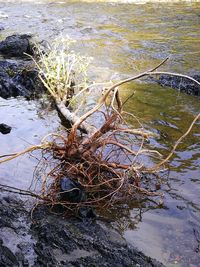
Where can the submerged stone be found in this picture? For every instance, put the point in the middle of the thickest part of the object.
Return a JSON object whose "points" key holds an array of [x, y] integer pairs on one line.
{"points": [[4, 128], [71, 190], [182, 84]]}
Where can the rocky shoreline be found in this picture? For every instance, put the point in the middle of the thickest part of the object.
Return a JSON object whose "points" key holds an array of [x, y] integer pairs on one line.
{"points": [[52, 240], [18, 76]]}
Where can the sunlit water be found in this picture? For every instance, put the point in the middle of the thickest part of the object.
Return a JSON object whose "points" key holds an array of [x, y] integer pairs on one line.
{"points": [[124, 39]]}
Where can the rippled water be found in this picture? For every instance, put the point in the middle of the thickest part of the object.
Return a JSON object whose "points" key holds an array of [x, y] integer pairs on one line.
{"points": [[124, 39]]}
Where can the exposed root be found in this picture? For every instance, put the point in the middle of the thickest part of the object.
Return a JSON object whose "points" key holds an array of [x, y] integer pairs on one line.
{"points": [[28, 150], [100, 168]]}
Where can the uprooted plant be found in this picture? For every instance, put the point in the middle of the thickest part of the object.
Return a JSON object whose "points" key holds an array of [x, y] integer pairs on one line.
{"points": [[99, 167]]}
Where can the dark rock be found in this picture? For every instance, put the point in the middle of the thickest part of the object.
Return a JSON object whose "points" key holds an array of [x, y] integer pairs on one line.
{"points": [[19, 78], [2, 28], [4, 128], [25, 263], [7, 258], [181, 83], [87, 213], [84, 245], [50, 240], [71, 190], [16, 45]]}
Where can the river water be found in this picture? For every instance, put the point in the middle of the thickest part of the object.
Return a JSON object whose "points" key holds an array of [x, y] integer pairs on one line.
{"points": [[124, 39]]}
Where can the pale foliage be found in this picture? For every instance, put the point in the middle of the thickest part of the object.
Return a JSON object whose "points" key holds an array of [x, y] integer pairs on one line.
{"points": [[61, 70]]}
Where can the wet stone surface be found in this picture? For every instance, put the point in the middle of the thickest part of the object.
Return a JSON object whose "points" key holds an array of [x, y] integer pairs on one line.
{"points": [[18, 76], [52, 240]]}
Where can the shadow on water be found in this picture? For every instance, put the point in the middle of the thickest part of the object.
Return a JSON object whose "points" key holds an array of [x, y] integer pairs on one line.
{"points": [[124, 39]]}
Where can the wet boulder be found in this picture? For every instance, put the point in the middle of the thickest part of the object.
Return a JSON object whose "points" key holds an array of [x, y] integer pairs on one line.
{"points": [[18, 75], [4, 128], [16, 45], [19, 78], [72, 191]]}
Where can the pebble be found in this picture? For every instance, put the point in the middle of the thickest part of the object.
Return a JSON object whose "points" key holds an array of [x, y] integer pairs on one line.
{"points": [[4, 128]]}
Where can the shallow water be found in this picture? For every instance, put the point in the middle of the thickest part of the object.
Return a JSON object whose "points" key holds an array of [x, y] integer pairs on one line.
{"points": [[124, 39], [29, 125]]}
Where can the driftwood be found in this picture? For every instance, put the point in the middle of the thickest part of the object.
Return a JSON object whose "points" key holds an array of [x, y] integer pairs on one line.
{"points": [[92, 163], [73, 118]]}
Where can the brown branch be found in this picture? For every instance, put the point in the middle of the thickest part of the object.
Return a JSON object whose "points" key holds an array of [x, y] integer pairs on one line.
{"points": [[107, 126], [134, 132], [104, 97], [124, 147], [118, 166]]}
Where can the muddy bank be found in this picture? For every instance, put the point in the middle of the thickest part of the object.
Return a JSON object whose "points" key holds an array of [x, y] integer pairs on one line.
{"points": [[52, 240]]}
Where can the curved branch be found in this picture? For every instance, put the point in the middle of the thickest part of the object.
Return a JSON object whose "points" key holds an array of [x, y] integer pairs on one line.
{"points": [[104, 97], [156, 167], [30, 149]]}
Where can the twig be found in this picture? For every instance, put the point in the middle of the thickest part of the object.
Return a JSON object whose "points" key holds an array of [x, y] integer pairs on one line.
{"points": [[104, 97], [157, 166], [19, 191], [30, 149]]}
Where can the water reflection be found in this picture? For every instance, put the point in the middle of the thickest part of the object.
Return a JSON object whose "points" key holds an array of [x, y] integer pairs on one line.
{"points": [[170, 230], [29, 124]]}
